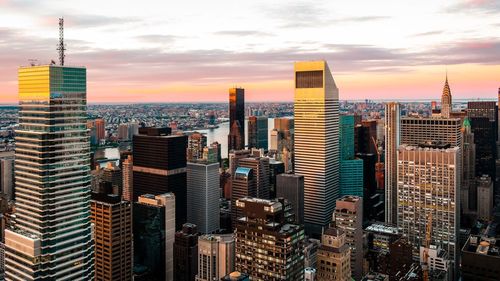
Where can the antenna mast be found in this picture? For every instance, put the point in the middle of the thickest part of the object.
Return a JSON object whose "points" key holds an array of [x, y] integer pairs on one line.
{"points": [[61, 47]]}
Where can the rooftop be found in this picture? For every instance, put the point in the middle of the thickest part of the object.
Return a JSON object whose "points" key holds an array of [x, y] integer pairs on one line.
{"points": [[482, 245]]}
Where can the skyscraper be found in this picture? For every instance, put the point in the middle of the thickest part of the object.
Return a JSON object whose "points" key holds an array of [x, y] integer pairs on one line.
{"points": [[7, 174], [428, 183], [334, 256], [415, 131], [316, 141], [203, 183], [348, 216], [257, 132], [291, 187], [392, 123], [154, 236], [468, 193], [160, 167], [112, 219], [244, 184], [268, 244], [260, 167], [186, 253], [351, 168], [236, 138], [216, 256], [484, 198], [100, 126], [196, 142], [446, 104], [52, 175], [127, 177]]}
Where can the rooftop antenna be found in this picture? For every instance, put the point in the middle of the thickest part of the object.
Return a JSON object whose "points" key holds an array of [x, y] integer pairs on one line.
{"points": [[61, 47]]}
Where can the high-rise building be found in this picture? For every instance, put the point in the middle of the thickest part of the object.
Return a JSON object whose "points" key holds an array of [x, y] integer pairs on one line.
{"points": [[7, 174], [482, 116], [291, 187], [286, 130], [418, 130], [364, 134], [275, 168], [112, 219], [234, 158], [257, 132], [203, 183], [52, 175], [348, 216], [113, 175], [216, 256], [428, 183], [123, 132], [186, 253], [468, 192], [334, 256], [100, 127], [316, 141], [127, 177], [351, 168], [236, 138], [260, 167], [244, 184], [160, 167], [260, 222], [485, 198], [154, 236], [446, 103], [480, 259], [392, 141], [196, 142]]}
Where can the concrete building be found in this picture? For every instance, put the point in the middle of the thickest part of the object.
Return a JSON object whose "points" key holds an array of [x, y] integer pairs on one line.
{"points": [[348, 216], [309, 274], [485, 198], [480, 259], [334, 256], [127, 177], [392, 141], [317, 147], [216, 256], [7, 174], [291, 187], [428, 183], [203, 183], [268, 244], [154, 236], [186, 253], [112, 220], [196, 142]]}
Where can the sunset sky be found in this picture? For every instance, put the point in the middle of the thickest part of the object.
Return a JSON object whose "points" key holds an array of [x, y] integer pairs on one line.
{"points": [[193, 51]]}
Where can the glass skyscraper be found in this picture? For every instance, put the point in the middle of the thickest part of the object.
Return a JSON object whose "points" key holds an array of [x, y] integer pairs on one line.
{"points": [[351, 168], [52, 237]]}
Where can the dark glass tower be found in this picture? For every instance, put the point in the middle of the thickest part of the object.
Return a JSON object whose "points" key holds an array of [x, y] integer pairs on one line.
{"points": [[236, 138], [160, 167], [258, 132]]}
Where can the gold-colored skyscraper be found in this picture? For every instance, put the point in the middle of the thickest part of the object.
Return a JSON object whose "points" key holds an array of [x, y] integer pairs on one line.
{"points": [[316, 141]]}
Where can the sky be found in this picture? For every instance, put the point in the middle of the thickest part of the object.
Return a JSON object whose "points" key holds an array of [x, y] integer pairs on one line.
{"points": [[193, 51]]}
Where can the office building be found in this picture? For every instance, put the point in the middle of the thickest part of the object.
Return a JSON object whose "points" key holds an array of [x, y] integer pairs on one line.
{"points": [[112, 174], [186, 253], [160, 167], [379, 237], [100, 126], [484, 130], [260, 167], [244, 184], [428, 183], [212, 153], [216, 256], [234, 159], [480, 259], [291, 187], [351, 177], [284, 127], [258, 132], [334, 256], [348, 216], [236, 138], [41, 191], [127, 177], [275, 168], [392, 141], [446, 103], [123, 132], [112, 220], [317, 147], [265, 226], [7, 174], [203, 183], [236, 276], [364, 135], [418, 130], [154, 236], [196, 142], [485, 198], [468, 193]]}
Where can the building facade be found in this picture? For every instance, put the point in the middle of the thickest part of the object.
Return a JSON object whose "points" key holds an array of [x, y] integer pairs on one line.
{"points": [[291, 187], [216, 256], [236, 138], [392, 141], [334, 257], [258, 132], [186, 253]]}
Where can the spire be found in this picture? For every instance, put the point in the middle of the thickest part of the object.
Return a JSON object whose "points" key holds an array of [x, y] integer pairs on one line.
{"points": [[446, 98]]}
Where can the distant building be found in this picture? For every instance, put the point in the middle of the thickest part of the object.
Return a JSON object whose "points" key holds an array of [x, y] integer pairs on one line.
{"points": [[258, 132], [348, 216], [419, 130], [262, 221], [160, 167], [244, 184], [316, 148], [112, 220], [468, 194], [154, 236], [351, 168], [334, 257], [485, 198], [260, 167], [236, 138], [186, 253], [291, 187], [196, 143], [481, 259], [7, 174], [203, 183], [275, 168], [216, 256], [446, 103], [100, 126], [392, 141], [123, 132], [127, 177]]}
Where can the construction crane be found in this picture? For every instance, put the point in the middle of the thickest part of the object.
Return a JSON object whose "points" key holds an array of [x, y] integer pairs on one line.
{"points": [[425, 258]]}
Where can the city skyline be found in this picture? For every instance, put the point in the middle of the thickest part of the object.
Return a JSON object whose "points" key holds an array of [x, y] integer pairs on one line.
{"points": [[189, 53]]}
